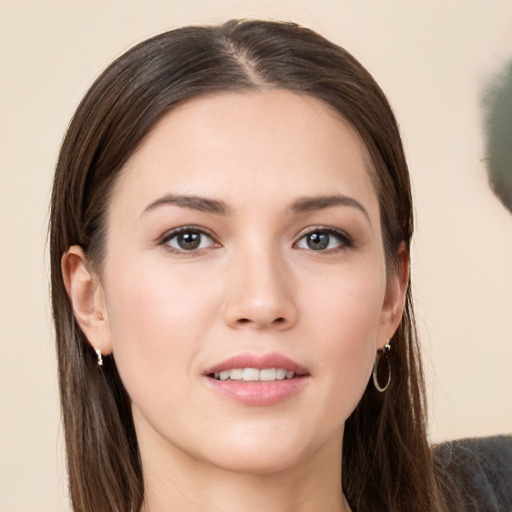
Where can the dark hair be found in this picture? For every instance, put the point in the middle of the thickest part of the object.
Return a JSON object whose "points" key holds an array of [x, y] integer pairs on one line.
{"points": [[387, 462]]}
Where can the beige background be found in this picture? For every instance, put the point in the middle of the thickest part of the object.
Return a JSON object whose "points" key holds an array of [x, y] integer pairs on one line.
{"points": [[432, 58]]}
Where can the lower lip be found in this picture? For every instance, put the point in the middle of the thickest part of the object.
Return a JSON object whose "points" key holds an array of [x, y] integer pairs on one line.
{"points": [[258, 393]]}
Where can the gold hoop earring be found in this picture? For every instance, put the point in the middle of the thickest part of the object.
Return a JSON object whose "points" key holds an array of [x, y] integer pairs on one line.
{"points": [[381, 354], [98, 355]]}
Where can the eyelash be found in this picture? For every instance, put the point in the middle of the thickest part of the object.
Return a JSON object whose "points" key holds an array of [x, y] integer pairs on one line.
{"points": [[344, 240], [166, 239]]}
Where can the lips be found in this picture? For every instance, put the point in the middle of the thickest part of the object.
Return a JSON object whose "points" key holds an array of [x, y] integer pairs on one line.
{"points": [[259, 362], [257, 380]]}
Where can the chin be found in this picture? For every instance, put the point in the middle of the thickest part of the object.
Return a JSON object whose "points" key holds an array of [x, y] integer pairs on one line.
{"points": [[270, 449], [260, 462]]}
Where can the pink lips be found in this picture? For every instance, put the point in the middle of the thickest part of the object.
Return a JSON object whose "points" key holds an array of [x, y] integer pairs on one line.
{"points": [[272, 360], [257, 393]]}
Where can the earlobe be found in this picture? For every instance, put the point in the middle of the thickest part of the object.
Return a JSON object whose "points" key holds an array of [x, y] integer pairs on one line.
{"points": [[87, 298]]}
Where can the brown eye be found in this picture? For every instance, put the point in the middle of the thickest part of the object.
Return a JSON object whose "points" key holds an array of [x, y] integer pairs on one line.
{"points": [[188, 240]]}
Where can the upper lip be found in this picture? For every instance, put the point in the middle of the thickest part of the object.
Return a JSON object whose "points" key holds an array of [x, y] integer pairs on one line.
{"points": [[259, 361]]}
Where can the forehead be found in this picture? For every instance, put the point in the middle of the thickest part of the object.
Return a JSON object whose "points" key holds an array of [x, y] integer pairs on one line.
{"points": [[241, 145]]}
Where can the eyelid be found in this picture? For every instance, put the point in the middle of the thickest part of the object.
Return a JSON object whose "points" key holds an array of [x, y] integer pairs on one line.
{"points": [[346, 241], [170, 234]]}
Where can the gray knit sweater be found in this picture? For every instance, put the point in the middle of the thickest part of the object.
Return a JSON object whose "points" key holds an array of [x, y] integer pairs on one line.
{"points": [[481, 469]]}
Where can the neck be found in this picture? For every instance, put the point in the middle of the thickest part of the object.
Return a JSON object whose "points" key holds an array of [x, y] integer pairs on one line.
{"points": [[176, 481]]}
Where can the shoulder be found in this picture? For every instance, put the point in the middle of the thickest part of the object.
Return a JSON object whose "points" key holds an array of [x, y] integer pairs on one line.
{"points": [[479, 471]]}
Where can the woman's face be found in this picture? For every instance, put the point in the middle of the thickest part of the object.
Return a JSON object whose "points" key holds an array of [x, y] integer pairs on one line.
{"points": [[244, 235]]}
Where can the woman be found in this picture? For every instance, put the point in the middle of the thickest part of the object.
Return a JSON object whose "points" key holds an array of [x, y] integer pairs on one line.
{"points": [[230, 231]]}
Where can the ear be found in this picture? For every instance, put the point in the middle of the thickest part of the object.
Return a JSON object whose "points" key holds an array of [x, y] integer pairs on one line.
{"points": [[87, 298], [394, 301]]}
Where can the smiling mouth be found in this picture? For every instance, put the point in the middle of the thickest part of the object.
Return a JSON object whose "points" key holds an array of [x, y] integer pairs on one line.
{"points": [[257, 380], [254, 374]]}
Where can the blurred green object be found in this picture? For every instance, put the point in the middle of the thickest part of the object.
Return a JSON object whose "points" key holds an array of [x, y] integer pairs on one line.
{"points": [[497, 104]]}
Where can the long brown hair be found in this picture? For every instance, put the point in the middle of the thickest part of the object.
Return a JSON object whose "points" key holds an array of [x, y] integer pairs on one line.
{"points": [[387, 463]]}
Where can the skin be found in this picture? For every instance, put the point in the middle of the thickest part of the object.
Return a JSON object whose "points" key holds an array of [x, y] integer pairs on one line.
{"points": [[254, 285]]}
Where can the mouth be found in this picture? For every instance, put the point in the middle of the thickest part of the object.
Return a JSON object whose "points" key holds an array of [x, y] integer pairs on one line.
{"points": [[253, 374], [257, 380], [249, 367]]}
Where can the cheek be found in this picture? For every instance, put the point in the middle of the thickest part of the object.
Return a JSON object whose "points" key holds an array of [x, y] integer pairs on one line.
{"points": [[157, 320], [346, 323], [347, 307]]}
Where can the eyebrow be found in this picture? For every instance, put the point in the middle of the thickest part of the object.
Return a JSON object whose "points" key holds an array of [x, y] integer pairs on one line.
{"points": [[206, 205], [198, 203], [308, 204]]}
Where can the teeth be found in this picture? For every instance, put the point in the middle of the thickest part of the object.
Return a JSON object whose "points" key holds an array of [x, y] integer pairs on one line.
{"points": [[268, 374], [280, 373], [251, 374], [237, 374], [254, 374]]}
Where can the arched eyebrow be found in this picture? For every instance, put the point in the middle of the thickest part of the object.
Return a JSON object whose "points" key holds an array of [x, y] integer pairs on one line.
{"points": [[308, 204], [202, 204], [207, 205]]}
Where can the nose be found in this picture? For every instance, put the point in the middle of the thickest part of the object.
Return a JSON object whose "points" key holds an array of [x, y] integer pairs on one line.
{"points": [[261, 294]]}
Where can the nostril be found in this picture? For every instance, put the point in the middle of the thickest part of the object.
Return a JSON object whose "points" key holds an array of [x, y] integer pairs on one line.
{"points": [[278, 321]]}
